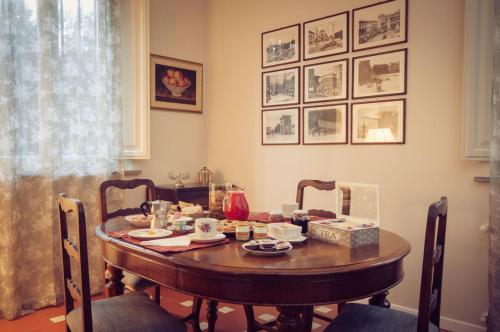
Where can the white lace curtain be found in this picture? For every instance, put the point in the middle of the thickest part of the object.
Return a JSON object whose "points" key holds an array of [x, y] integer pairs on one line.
{"points": [[60, 131]]}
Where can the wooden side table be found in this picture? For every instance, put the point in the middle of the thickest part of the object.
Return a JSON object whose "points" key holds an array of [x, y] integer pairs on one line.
{"points": [[191, 192]]}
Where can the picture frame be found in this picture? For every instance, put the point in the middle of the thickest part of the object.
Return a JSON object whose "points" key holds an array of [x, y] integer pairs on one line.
{"points": [[326, 36], [280, 126], [380, 24], [379, 122], [326, 81], [379, 74], [281, 87], [176, 84], [280, 46], [325, 124]]}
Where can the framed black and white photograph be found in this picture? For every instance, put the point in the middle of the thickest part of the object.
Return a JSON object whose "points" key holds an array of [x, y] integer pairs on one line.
{"points": [[382, 74], [281, 126], [378, 122], [380, 24], [326, 81], [281, 46], [326, 124], [281, 87], [326, 36]]}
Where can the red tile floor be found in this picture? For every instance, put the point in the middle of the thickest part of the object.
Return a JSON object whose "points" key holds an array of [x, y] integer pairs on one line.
{"points": [[231, 317]]}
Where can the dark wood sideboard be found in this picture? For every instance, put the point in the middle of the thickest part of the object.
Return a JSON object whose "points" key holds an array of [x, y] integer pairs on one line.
{"points": [[191, 192]]}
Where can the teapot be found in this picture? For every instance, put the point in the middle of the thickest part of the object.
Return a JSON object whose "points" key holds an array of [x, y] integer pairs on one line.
{"points": [[235, 205]]}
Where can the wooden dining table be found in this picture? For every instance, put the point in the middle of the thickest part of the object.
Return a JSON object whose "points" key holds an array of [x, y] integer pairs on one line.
{"points": [[310, 274]]}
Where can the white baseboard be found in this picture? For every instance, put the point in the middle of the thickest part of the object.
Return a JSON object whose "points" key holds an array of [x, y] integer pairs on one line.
{"points": [[447, 323]]}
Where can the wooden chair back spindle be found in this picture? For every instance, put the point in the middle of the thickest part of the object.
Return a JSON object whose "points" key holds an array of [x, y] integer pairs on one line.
{"points": [[432, 269], [73, 291], [124, 185], [319, 185]]}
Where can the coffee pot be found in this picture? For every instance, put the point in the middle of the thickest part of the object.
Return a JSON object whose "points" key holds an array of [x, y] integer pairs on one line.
{"points": [[159, 211]]}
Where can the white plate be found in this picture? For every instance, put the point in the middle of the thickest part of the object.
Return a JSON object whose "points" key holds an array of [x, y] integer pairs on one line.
{"points": [[187, 228], [266, 253], [296, 240], [149, 234], [216, 238], [142, 222]]}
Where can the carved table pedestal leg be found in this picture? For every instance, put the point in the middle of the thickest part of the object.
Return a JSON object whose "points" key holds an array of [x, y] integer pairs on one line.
{"points": [[380, 300], [211, 315], [115, 286], [289, 319]]}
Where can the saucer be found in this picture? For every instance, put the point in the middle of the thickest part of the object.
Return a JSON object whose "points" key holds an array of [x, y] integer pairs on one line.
{"points": [[299, 239], [149, 233], [216, 238]]}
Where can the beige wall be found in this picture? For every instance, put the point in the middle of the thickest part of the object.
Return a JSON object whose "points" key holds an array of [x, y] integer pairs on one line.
{"points": [[177, 29], [410, 175]]}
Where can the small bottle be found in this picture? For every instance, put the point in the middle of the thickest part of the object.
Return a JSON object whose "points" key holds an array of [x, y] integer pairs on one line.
{"points": [[259, 231], [301, 218], [242, 231], [276, 216]]}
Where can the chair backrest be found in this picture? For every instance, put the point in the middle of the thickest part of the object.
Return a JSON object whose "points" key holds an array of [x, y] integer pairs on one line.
{"points": [[432, 270], [78, 291], [124, 184], [319, 185]]}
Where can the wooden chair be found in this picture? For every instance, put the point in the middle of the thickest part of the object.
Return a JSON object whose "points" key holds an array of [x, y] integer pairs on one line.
{"points": [[360, 317], [319, 185], [131, 312], [131, 281]]}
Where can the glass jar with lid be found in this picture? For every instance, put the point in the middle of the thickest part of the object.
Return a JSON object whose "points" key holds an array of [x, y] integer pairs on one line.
{"points": [[301, 218]]}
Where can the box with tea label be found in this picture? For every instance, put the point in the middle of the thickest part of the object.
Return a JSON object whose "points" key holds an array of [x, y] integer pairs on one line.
{"points": [[347, 233]]}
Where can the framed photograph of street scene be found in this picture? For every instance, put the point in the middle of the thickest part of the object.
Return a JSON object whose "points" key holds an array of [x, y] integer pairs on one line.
{"points": [[378, 122], [382, 74], [176, 84], [281, 46], [281, 87], [281, 127], [326, 81], [326, 124], [381, 24], [326, 36]]}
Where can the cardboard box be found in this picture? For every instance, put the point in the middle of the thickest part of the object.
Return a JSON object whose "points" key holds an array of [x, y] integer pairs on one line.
{"points": [[349, 234]]}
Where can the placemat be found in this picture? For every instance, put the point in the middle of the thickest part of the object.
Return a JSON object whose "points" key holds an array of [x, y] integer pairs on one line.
{"points": [[124, 236]]}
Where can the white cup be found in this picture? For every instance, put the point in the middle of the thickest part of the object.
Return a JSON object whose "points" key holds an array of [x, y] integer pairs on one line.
{"points": [[205, 228], [288, 209]]}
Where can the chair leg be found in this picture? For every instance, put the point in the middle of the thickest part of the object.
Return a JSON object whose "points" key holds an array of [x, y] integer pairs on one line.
{"points": [[340, 305], [157, 295]]}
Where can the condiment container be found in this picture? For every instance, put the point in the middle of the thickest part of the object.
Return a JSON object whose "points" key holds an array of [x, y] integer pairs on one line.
{"points": [[301, 218], [259, 231], [284, 231], [242, 231], [276, 216]]}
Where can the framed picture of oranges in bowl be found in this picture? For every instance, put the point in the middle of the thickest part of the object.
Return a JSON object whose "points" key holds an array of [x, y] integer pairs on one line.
{"points": [[176, 84]]}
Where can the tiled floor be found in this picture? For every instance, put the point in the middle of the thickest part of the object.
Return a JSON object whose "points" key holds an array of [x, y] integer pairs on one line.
{"points": [[231, 317]]}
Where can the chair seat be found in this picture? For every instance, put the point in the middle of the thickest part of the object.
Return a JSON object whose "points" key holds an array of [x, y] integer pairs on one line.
{"points": [[126, 313], [361, 317]]}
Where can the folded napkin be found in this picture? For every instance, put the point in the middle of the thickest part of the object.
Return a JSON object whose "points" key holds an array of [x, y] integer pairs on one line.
{"points": [[180, 241]]}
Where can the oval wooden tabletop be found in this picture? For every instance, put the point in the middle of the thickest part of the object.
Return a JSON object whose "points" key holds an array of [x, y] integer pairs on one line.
{"points": [[311, 273]]}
